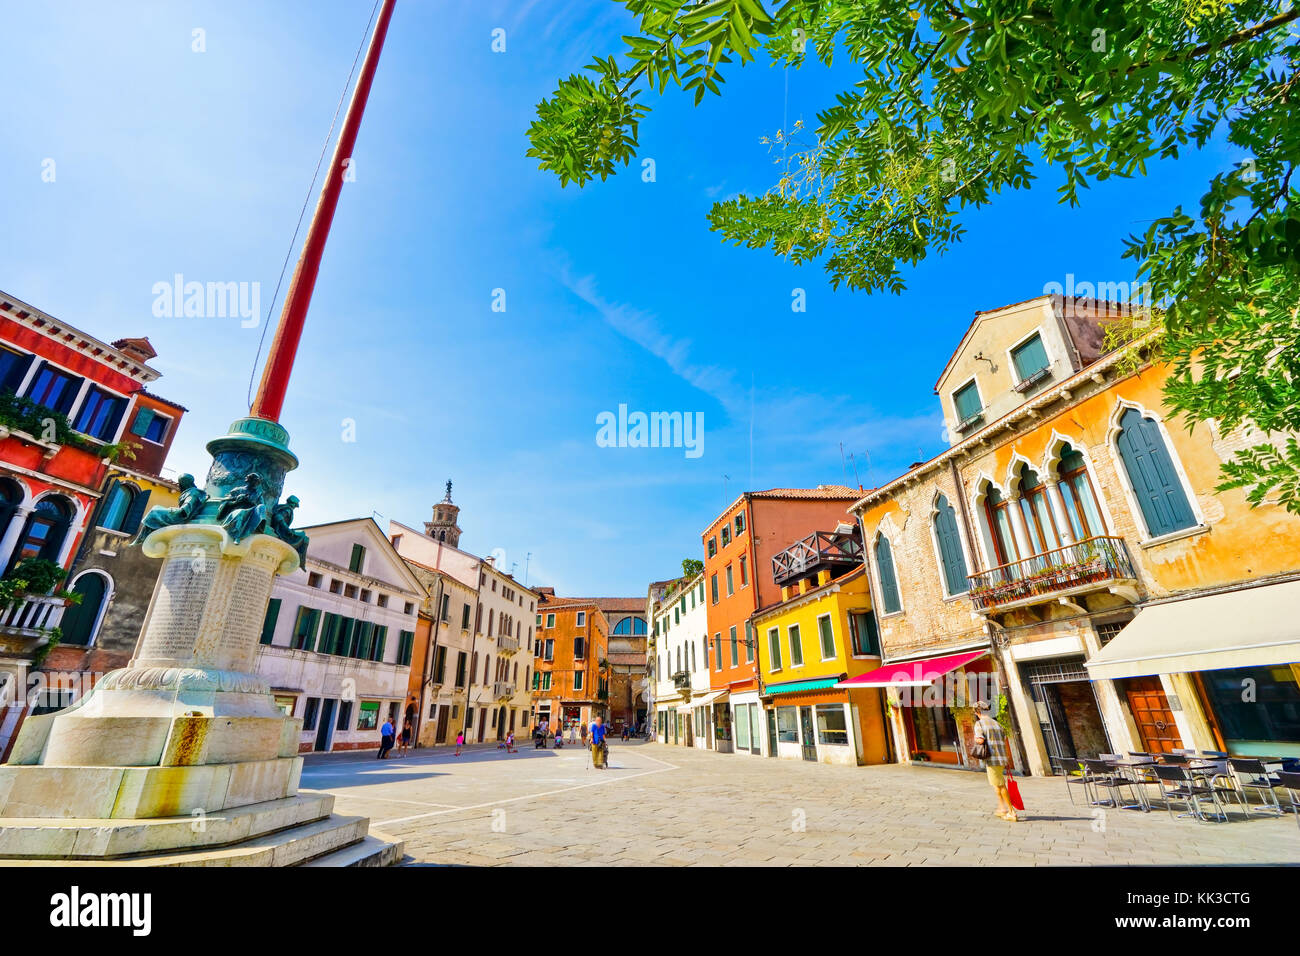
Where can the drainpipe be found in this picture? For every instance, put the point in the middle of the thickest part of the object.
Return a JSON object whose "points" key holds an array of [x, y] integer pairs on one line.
{"points": [[891, 751]]}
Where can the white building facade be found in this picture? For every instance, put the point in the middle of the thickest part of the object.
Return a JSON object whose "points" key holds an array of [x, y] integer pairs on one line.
{"points": [[338, 637], [680, 669]]}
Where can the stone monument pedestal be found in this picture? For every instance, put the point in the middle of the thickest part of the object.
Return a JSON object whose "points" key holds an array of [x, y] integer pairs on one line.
{"points": [[182, 757]]}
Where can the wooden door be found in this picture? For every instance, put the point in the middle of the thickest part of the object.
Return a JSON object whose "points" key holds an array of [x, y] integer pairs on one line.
{"points": [[1150, 709]]}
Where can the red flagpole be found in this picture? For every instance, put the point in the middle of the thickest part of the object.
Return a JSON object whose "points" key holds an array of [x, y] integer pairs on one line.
{"points": [[284, 347]]}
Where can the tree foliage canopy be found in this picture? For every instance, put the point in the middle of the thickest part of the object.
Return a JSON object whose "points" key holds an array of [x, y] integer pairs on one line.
{"points": [[958, 102]]}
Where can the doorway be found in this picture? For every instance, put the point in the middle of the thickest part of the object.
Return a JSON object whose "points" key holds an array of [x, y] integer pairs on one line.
{"points": [[808, 736], [771, 732], [442, 724], [1068, 715], [325, 725], [1150, 709]]}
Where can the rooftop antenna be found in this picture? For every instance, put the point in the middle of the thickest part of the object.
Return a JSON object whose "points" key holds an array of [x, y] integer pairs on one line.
{"points": [[725, 479], [871, 470], [527, 558], [844, 467], [856, 479]]}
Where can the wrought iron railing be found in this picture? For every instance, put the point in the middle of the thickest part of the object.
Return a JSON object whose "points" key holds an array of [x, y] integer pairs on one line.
{"points": [[1094, 560], [682, 680]]}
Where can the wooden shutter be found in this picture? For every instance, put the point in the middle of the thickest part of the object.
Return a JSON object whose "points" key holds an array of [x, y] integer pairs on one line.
{"points": [[143, 419], [950, 553], [888, 581], [1151, 472], [135, 514], [272, 615]]}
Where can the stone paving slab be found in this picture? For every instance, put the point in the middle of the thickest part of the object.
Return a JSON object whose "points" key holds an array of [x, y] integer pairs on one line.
{"points": [[659, 805]]}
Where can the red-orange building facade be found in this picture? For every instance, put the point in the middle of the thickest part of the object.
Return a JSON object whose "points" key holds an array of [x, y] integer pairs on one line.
{"points": [[570, 645], [738, 549]]}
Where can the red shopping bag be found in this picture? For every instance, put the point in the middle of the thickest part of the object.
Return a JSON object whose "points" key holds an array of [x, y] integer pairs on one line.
{"points": [[1013, 793]]}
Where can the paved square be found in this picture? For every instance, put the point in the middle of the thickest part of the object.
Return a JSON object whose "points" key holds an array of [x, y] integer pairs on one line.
{"points": [[673, 806]]}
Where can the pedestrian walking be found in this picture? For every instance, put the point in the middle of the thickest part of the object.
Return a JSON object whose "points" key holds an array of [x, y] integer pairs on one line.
{"points": [[991, 750], [583, 731], [405, 739], [385, 739], [537, 736], [599, 752], [460, 742], [510, 743]]}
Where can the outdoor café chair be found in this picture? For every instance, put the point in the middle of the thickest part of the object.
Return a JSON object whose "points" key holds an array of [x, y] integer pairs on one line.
{"points": [[1252, 775], [1190, 791], [1291, 781], [1103, 775], [1075, 774]]}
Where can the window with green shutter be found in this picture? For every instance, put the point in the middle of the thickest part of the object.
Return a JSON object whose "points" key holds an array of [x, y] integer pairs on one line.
{"points": [[405, 646], [268, 625], [304, 629], [889, 599], [358, 562], [1029, 358], [379, 639], [827, 634], [966, 400], [950, 553], [1152, 475]]}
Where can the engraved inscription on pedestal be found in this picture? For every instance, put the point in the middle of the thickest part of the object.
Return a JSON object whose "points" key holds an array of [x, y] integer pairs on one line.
{"points": [[246, 614], [178, 609]]}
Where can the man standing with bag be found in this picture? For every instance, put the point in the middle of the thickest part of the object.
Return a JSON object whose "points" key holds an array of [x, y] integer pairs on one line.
{"points": [[598, 749], [991, 749]]}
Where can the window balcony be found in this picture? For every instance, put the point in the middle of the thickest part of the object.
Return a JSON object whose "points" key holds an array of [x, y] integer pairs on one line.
{"points": [[507, 646], [682, 680], [503, 690], [1099, 563], [29, 620]]}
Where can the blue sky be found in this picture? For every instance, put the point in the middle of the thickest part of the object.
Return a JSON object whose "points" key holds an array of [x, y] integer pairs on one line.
{"points": [[170, 161]]}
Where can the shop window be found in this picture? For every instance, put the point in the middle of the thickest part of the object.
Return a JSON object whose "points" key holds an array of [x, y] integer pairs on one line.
{"points": [[888, 580], [741, 722], [368, 715], [1152, 476], [1257, 708], [951, 556], [787, 725], [832, 727]]}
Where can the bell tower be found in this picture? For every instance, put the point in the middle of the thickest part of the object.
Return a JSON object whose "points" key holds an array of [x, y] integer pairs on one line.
{"points": [[443, 527]]}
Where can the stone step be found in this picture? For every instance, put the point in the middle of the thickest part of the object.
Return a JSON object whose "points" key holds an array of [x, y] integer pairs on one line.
{"points": [[283, 848], [36, 838], [377, 849]]}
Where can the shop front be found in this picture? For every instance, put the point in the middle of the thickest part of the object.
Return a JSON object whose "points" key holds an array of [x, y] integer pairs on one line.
{"points": [[819, 721], [931, 703], [666, 719], [747, 723], [721, 706], [1223, 668]]}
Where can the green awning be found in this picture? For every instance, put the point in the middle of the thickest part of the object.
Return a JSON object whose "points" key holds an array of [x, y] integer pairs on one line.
{"points": [[801, 686]]}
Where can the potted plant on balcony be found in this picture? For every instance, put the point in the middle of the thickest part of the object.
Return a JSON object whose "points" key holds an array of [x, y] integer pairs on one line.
{"points": [[34, 577]]}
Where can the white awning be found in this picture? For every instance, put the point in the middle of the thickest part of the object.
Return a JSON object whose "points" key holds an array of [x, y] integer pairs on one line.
{"points": [[1252, 627], [704, 701]]}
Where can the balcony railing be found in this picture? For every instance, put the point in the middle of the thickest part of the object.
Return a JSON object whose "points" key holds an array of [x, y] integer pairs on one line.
{"points": [[503, 690], [1045, 576], [33, 615], [682, 680], [507, 645], [821, 549]]}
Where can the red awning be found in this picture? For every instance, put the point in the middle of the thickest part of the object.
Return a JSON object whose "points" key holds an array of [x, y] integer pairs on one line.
{"points": [[920, 673]]}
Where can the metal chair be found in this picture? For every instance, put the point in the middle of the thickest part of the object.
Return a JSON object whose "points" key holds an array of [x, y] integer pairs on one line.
{"points": [[1252, 775], [1103, 775], [1291, 781], [1075, 774], [1187, 789]]}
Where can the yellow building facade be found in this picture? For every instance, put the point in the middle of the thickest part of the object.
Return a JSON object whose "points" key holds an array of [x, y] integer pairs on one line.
{"points": [[821, 633]]}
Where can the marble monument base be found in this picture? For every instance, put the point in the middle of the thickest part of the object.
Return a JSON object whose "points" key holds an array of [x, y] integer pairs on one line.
{"points": [[182, 758]]}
